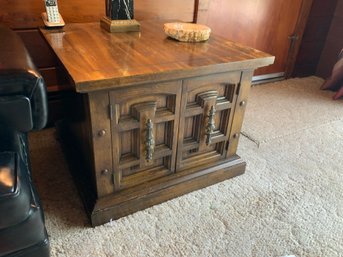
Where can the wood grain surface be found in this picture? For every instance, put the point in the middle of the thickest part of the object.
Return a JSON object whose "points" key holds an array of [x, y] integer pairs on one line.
{"points": [[96, 59]]}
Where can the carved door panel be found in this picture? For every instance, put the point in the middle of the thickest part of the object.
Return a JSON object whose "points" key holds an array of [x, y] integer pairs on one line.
{"points": [[144, 131], [207, 108]]}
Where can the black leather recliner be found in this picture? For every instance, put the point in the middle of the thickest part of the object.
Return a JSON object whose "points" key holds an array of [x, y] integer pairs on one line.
{"points": [[23, 107]]}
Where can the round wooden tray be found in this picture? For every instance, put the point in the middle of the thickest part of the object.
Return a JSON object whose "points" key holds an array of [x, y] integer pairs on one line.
{"points": [[187, 32]]}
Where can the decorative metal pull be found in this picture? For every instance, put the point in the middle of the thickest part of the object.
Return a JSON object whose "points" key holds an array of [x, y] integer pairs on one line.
{"points": [[149, 140], [293, 38], [210, 125]]}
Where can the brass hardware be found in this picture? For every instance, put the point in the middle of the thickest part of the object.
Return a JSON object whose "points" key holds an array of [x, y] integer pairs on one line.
{"points": [[242, 103], [210, 125], [293, 38], [104, 172], [235, 135], [101, 133], [149, 140]]}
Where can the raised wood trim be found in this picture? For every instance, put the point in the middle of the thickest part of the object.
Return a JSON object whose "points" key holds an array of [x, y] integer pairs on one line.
{"points": [[101, 142], [239, 110], [192, 147], [131, 114]]}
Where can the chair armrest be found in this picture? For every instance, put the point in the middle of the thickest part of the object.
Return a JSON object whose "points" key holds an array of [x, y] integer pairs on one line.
{"points": [[19, 76]]}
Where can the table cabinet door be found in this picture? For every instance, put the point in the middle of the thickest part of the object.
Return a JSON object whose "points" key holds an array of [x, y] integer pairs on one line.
{"points": [[144, 132], [207, 109]]}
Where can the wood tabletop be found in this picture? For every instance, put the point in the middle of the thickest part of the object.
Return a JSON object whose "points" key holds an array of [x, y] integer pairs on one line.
{"points": [[96, 59]]}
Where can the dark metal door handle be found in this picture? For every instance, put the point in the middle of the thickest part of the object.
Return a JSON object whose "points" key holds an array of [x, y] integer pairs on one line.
{"points": [[149, 140], [210, 125]]}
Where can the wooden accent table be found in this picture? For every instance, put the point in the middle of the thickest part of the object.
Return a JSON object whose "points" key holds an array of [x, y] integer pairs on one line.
{"points": [[152, 118]]}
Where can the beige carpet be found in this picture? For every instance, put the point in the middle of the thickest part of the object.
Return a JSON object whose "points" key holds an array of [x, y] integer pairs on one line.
{"points": [[296, 105], [289, 201]]}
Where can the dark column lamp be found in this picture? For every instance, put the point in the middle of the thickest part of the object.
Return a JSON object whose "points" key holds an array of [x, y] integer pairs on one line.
{"points": [[119, 16]]}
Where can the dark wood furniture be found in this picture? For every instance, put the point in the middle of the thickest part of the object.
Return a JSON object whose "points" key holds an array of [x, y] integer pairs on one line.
{"points": [[155, 118]]}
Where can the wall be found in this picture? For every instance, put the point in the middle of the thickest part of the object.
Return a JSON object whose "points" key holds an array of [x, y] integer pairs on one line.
{"points": [[333, 43], [24, 14], [314, 38], [262, 24]]}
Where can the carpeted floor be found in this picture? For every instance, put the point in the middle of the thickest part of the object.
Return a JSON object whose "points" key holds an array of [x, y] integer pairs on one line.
{"points": [[289, 201], [279, 109]]}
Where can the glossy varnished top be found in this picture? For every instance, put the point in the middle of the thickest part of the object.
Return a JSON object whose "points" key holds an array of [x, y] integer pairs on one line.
{"points": [[96, 59]]}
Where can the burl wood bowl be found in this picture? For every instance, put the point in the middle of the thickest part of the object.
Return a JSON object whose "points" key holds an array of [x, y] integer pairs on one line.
{"points": [[187, 32]]}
